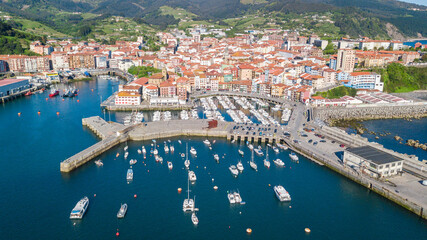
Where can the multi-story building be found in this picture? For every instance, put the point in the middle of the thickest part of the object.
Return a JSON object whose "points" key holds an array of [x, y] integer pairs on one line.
{"points": [[365, 80], [81, 60], [346, 59], [128, 98]]}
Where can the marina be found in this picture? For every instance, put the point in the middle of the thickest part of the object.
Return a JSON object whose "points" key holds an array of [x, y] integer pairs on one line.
{"points": [[153, 180]]}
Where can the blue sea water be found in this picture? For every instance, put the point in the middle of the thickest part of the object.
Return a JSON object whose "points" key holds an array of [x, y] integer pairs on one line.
{"points": [[411, 44], [36, 199]]}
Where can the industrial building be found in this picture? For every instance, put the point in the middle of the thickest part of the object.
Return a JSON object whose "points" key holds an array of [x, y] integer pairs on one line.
{"points": [[12, 86], [373, 161]]}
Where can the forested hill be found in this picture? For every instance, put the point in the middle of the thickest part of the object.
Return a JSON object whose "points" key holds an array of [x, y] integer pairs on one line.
{"points": [[408, 21]]}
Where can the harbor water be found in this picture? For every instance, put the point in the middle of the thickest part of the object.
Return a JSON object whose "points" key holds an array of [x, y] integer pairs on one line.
{"points": [[36, 199]]}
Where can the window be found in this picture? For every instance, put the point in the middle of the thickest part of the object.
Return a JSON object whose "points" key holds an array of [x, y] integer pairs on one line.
{"points": [[381, 167], [394, 164], [399, 163], [387, 166]]}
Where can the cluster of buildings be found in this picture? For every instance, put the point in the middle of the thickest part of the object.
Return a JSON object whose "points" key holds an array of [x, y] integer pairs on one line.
{"points": [[279, 64]]}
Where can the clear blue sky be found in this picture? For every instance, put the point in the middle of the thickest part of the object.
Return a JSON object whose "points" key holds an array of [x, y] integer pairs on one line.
{"points": [[421, 2]]}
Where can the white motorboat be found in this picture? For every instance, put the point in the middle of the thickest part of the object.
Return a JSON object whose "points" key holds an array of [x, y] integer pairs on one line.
{"points": [[279, 162], [179, 141], [237, 197], [192, 176], [99, 163], [281, 193], [241, 152], [216, 157], [206, 142], [293, 156], [234, 170], [143, 150], [132, 161], [80, 208], [125, 148], [158, 159], [172, 149], [231, 198], [139, 151], [126, 155], [240, 166], [259, 152], [170, 165], [155, 151], [122, 211], [275, 149], [166, 148], [193, 151], [281, 146], [194, 219], [250, 146], [188, 204], [129, 175]]}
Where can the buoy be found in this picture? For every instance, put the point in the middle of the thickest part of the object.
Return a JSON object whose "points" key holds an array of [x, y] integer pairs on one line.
{"points": [[135, 196], [248, 230], [57, 113], [179, 190], [307, 230], [63, 99], [78, 100], [117, 234], [269, 185], [94, 195], [92, 89], [148, 170], [213, 179], [74, 224], [19, 114], [38, 112], [216, 187], [47, 99]]}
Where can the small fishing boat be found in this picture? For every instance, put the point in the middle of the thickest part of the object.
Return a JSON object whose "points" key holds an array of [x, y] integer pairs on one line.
{"points": [[126, 155], [29, 93], [179, 141], [194, 219], [183, 155], [231, 198], [237, 197], [250, 146], [172, 149], [99, 163], [155, 151], [275, 149], [216, 157], [143, 150], [241, 152], [192, 176], [126, 148], [193, 151], [122, 211], [206, 142], [293, 156], [166, 148], [259, 152], [139, 151], [170, 165], [132, 161], [240, 166], [53, 93], [129, 175]]}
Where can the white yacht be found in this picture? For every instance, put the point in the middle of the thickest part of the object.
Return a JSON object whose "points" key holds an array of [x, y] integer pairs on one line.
{"points": [[193, 151], [158, 159], [234, 170], [80, 208], [172, 149], [143, 150], [99, 163], [188, 204], [281, 193], [241, 152], [139, 151], [126, 154], [231, 198], [166, 148], [192, 176], [206, 142], [132, 161], [279, 162], [259, 152], [240, 166], [170, 165], [129, 175], [125, 148], [216, 157], [122, 211], [252, 163], [186, 162], [275, 149], [281, 146], [293, 156], [179, 141], [194, 219], [155, 151], [250, 146]]}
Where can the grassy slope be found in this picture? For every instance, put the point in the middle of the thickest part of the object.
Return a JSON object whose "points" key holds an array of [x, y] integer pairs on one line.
{"points": [[38, 28]]}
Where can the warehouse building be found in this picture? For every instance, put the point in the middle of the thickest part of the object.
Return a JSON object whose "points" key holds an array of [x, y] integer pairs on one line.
{"points": [[11, 86], [373, 161]]}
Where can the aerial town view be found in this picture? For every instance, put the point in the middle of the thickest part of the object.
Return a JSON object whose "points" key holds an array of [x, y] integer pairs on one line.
{"points": [[210, 119]]}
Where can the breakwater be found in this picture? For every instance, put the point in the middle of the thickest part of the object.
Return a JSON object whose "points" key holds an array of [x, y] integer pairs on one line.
{"points": [[372, 111]]}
